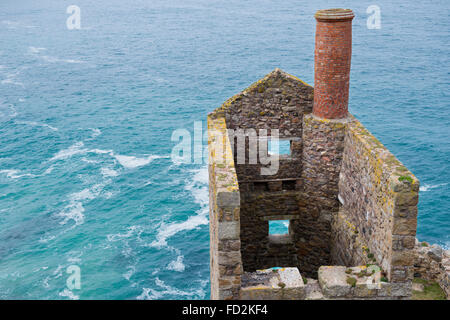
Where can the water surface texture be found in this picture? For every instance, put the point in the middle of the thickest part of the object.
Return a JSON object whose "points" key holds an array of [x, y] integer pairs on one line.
{"points": [[86, 118]]}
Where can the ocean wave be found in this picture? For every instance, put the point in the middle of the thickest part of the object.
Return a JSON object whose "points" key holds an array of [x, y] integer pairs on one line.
{"points": [[36, 49], [134, 162], [16, 24], [58, 272], [149, 294], [131, 231], [95, 132], [129, 162], [7, 111], [77, 148], [14, 174], [11, 80], [197, 186], [11, 77], [108, 172], [37, 52], [166, 231], [130, 272], [152, 294], [49, 170], [74, 211], [52, 59], [428, 187], [177, 265], [37, 124]]}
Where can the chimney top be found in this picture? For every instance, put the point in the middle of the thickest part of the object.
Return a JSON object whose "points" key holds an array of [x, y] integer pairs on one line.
{"points": [[337, 14], [332, 58]]}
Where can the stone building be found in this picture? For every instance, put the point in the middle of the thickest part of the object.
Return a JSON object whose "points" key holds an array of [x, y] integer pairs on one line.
{"points": [[350, 204]]}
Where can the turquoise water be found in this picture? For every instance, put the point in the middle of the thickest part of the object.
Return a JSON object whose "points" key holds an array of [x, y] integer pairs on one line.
{"points": [[86, 118]]}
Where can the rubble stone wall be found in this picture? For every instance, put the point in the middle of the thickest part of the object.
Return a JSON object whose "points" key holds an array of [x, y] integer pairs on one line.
{"points": [[224, 204], [379, 199]]}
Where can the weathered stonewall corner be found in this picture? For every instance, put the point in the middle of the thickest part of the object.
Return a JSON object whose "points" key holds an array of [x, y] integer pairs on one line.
{"points": [[351, 205]]}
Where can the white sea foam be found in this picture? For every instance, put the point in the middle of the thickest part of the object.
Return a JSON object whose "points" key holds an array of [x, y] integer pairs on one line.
{"points": [[84, 159], [128, 162], [46, 239], [166, 231], [33, 123], [36, 49], [77, 148], [134, 162], [11, 78], [131, 231], [446, 245], [49, 170], [177, 265], [130, 271], [45, 282], [52, 59], [69, 294], [58, 272], [15, 174], [428, 187], [149, 294], [73, 211], [197, 185], [174, 291], [108, 194], [16, 24], [108, 172], [74, 149], [7, 111], [95, 132], [87, 193]]}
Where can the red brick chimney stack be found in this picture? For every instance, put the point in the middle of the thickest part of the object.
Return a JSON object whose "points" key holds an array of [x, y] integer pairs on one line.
{"points": [[332, 58]]}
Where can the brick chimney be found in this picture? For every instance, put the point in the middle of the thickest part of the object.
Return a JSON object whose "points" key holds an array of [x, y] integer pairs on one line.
{"points": [[332, 58]]}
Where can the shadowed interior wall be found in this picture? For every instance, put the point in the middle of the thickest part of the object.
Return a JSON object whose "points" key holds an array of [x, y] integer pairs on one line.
{"points": [[277, 101]]}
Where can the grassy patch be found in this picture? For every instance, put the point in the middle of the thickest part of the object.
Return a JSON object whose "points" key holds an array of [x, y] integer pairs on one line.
{"points": [[432, 291], [351, 281], [405, 178]]}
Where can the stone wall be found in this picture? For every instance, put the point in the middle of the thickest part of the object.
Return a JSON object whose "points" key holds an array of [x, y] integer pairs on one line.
{"points": [[273, 284], [359, 283], [379, 198], [349, 201], [224, 202], [433, 263], [277, 101], [323, 145]]}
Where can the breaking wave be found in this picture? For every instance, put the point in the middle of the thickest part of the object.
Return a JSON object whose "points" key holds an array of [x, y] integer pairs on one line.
{"points": [[198, 187], [428, 187], [129, 162]]}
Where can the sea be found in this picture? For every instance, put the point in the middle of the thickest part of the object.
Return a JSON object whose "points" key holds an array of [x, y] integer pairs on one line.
{"points": [[92, 94]]}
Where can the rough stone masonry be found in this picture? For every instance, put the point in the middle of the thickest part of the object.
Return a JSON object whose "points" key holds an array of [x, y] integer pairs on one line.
{"points": [[351, 205]]}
